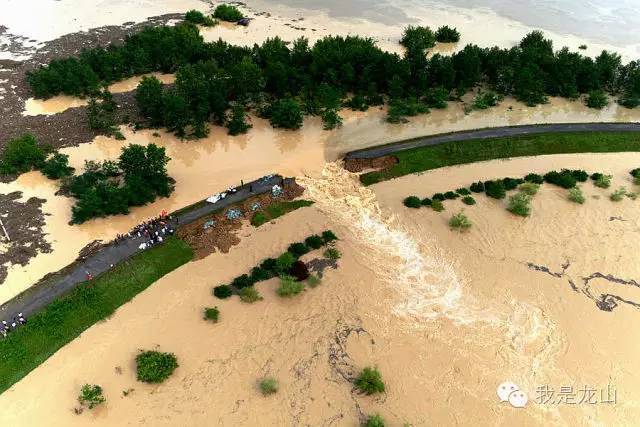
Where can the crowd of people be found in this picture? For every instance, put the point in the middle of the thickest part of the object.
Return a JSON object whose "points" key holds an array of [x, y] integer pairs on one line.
{"points": [[151, 232], [6, 327]]}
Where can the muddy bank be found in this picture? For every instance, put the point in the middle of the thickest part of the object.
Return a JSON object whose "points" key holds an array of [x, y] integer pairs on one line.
{"points": [[24, 222]]}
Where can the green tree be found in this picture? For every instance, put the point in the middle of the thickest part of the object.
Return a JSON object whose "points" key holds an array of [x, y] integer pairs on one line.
{"points": [[149, 97], [22, 155], [286, 113], [597, 99], [238, 122], [57, 166]]}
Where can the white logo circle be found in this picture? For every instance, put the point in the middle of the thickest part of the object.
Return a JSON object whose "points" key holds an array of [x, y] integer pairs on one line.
{"points": [[505, 389], [518, 399]]}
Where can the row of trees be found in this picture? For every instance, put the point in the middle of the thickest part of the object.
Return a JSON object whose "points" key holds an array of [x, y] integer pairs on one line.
{"points": [[213, 77], [110, 188]]}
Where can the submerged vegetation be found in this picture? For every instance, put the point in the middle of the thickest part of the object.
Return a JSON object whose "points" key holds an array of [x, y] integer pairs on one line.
{"points": [[282, 81], [460, 222], [268, 385], [369, 381], [91, 396], [154, 366], [66, 318]]}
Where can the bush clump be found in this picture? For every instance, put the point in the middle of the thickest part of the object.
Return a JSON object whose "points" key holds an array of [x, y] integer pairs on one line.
{"points": [[437, 205], [227, 13], [286, 113], [22, 155], [91, 396], [299, 270], [314, 242], [412, 202], [618, 194], [534, 178], [446, 34], [460, 222], [212, 314], [374, 421], [468, 200], [519, 204], [222, 291], [580, 175], [289, 286], [284, 262], [268, 385], [477, 187], [154, 366], [450, 195], [298, 249], [197, 17], [249, 294], [425, 202], [333, 254], [313, 280], [243, 281], [529, 188], [576, 196], [511, 183], [328, 236], [463, 191], [258, 274], [438, 196], [603, 181], [564, 178], [596, 99], [369, 381], [417, 39], [495, 189]]}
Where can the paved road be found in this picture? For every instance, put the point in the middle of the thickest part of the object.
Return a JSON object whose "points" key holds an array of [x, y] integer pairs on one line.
{"points": [[383, 150], [37, 297]]}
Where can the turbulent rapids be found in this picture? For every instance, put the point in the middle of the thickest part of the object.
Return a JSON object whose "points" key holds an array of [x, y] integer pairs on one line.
{"points": [[427, 282]]}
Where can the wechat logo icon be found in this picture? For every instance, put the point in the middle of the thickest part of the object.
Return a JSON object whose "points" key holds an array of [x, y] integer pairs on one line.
{"points": [[510, 392]]}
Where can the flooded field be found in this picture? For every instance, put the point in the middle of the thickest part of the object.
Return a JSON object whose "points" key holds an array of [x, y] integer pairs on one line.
{"points": [[442, 314]]}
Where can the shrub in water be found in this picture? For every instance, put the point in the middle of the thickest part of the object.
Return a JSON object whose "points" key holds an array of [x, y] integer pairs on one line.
{"points": [[298, 249], [477, 187], [314, 242], [603, 181], [635, 173], [328, 236], [576, 196], [243, 281], [249, 294], [258, 274], [438, 196], [57, 167], [289, 286], [332, 253], [285, 261], [534, 178], [270, 265], [91, 395], [519, 204], [268, 385], [618, 195], [374, 421], [197, 17], [21, 155], [369, 381], [222, 291], [450, 195], [580, 175], [227, 13], [463, 191], [426, 202], [529, 188], [437, 205], [468, 200], [212, 314], [460, 222], [313, 280], [154, 366], [299, 270], [495, 189], [564, 178], [412, 202], [511, 183], [596, 176]]}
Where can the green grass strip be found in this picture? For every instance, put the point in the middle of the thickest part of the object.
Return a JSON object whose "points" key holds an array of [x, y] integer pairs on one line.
{"points": [[455, 153], [66, 318], [276, 210]]}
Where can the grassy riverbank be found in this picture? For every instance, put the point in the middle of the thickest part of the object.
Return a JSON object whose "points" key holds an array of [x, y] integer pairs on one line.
{"points": [[65, 319], [278, 209], [455, 153]]}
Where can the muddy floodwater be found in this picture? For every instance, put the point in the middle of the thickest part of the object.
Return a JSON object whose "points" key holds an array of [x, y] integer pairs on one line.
{"points": [[60, 103], [207, 166], [446, 317]]}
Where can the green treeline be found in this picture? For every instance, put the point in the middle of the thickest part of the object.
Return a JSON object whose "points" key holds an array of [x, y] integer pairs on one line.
{"points": [[282, 81]]}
